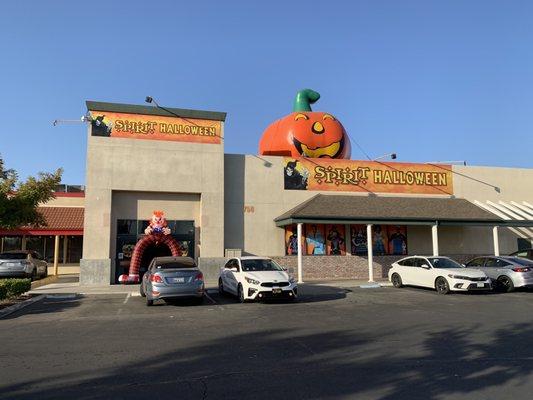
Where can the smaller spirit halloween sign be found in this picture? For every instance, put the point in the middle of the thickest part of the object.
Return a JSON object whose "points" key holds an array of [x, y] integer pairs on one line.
{"points": [[151, 127], [367, 176]]}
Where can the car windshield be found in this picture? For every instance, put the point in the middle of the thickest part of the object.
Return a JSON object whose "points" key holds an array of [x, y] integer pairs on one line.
{"points": [[440, 262], [260, 265], [175, 265], [13, 256]]}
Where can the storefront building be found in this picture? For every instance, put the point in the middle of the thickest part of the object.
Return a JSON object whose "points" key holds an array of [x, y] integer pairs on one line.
{"points": [[317, 214]]}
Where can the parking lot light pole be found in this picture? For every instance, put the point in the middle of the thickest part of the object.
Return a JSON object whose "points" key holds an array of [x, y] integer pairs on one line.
{"points": [[435, 239], [299, 233], [370, 253], [496, 241]]}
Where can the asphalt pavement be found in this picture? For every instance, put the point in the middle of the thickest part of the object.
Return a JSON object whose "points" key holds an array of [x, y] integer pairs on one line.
{"points": [[336, 342]]}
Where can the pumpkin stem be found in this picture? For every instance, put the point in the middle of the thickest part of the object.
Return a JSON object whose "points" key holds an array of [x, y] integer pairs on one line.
{"points": [[304, 99]]}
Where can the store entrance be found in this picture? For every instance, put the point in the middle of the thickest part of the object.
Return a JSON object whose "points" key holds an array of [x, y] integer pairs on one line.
{"points": [[129, 232]]}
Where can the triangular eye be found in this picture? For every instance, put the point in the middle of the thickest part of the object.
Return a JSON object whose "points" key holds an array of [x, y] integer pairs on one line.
{"points": [[328, 116], [300, 116]]}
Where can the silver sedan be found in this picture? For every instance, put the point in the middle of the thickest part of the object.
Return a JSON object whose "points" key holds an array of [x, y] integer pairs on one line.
{"points": [[507, 273], [170, 278]]}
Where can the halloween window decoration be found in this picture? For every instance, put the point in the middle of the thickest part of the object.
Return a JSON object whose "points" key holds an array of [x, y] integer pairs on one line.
{"points": [[305, 133], [156, 232]]}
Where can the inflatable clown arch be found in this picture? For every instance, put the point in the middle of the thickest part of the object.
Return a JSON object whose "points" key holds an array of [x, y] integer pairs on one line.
{"points": [[156, 233]]}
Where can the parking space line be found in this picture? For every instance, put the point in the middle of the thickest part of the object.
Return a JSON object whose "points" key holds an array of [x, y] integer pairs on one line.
{"points": [[127, 298], [210, 298]]}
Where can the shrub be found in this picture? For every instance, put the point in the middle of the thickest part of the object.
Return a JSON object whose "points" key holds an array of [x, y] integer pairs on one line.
{"points": [[13, 287]]}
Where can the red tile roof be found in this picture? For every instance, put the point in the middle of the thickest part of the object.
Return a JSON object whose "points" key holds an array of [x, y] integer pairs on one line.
{"points": [[59, 221], [62, 218]]}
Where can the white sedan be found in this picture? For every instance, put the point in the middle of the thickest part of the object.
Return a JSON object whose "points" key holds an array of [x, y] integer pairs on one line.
{"points": [[440, 273], [256, 278]]}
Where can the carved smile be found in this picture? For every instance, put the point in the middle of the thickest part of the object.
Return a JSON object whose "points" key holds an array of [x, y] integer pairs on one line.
{"points": [[330, 151]]}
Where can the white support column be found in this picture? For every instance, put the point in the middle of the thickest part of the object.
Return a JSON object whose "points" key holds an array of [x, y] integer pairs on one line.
{"points": [[496, 241], [300, 272], [435, 239], [24, 241], [370, 253]]}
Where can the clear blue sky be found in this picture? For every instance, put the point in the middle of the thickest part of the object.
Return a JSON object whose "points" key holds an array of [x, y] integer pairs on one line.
{"points": [[430, 80]]}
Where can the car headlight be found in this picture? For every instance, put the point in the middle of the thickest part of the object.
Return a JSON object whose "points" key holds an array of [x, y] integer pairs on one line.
{"points": [[292, 280], [251, 281], [464, 278]]}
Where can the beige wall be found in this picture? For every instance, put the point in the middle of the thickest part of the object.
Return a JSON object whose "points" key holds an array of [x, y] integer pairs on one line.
{"points": [[65, 202], [254, 197], [149, 166]]}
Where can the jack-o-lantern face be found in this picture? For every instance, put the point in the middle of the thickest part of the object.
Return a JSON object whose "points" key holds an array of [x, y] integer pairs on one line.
{"points": [[306, 134]]}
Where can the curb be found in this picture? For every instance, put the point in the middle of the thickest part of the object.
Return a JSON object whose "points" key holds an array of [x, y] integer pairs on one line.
{"points": [[16, 307]]}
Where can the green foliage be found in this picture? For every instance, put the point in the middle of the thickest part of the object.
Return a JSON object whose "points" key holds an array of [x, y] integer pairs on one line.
{"points": [[19, 200], [13, 287]]}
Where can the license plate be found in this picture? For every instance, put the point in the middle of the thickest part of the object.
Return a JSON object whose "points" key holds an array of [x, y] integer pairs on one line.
{"points": [[480, 285], [178, 280], [276, 290], [11, 265]]}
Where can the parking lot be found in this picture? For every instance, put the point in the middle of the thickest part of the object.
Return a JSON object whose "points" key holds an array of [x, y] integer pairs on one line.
{"points": [[337, 341]]}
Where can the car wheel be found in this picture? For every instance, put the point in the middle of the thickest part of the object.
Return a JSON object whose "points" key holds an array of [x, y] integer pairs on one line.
{"points": [[240, 294], [149, 303], [441, 285], [141, 291], [505, 284], [396, 280], [33, 276], [221, 287], [45, 272]]}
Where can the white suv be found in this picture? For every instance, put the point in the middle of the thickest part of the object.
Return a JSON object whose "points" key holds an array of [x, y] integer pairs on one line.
{"points": [[256, 278]]}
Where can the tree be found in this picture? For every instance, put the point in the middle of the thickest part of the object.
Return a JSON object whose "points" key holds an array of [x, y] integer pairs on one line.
{"points": [[19, 200]]}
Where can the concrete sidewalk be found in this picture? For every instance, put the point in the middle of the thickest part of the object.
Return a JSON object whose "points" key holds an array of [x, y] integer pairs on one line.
{"points": [[69, 284]]}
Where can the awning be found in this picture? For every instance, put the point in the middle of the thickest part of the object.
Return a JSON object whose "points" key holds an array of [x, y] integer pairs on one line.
{"points": [[59, 221], [345, 209]]}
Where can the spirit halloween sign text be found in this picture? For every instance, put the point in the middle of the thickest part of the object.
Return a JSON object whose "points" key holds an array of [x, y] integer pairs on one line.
{"points": [[367, 176], [137, 126]]}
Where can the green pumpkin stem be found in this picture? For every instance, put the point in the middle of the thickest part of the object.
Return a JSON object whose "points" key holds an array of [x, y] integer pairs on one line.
{"points": [[304, 99]]}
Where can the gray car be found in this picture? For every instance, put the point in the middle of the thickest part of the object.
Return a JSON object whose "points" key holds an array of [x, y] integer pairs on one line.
{"points": [[169, 278], [507, 273], [22, 264]]}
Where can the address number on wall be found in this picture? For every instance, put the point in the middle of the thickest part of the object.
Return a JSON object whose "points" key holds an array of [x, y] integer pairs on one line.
{"points": [[249, 209]]}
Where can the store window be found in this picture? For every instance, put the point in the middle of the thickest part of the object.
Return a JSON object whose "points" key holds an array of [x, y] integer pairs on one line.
{"points": [[12, 243], [329, 239]]}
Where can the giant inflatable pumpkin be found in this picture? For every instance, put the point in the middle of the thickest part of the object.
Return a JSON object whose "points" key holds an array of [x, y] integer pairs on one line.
{"points": [[305, 133]]}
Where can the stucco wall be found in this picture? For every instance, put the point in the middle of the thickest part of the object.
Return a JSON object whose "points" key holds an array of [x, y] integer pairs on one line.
{"points": [[64, 201], [149, 166], [254, 196]]}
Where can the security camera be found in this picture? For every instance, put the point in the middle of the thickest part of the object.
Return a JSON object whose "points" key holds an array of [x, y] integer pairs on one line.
{"points": [[393, 156], [148, 99]]}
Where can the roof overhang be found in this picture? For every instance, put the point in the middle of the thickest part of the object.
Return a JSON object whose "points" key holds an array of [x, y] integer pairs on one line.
{"points": [[349, 209]]}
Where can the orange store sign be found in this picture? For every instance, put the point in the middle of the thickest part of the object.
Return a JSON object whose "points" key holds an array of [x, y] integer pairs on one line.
{"points": [[367, 176], [152, 127]]}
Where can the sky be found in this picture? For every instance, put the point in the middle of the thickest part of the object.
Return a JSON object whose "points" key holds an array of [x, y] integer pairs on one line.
{"points": [[429, 80]]}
